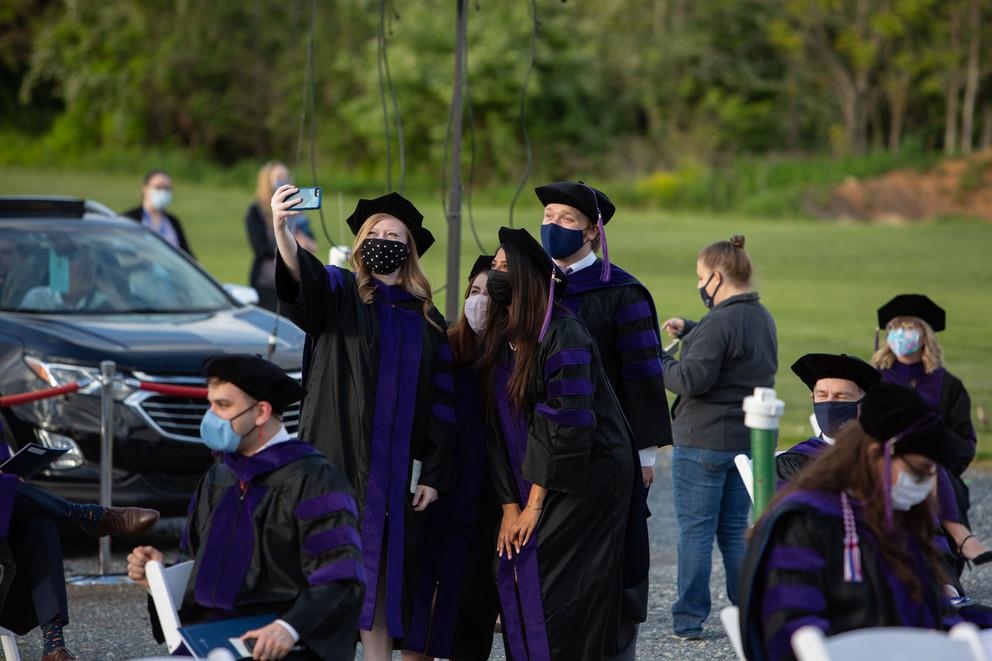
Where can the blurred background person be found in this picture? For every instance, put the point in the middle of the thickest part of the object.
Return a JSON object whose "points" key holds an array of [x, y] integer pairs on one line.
{"points": [[156, 195], [258, 226], [732, 350]]}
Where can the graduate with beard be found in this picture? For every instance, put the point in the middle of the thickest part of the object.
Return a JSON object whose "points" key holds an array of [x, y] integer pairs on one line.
{"points": [[272, 528], [379, 399], [562, 465]]}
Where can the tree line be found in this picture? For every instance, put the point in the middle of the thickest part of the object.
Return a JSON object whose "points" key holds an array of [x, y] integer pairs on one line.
{"points": [[613, 89]]}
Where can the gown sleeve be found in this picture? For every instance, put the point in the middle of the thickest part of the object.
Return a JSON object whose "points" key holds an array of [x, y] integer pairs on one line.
{"points": [[435, 471], [641, 388], [310, 302], [563, 425], [500, 471], [702, 357], [956, 407]]}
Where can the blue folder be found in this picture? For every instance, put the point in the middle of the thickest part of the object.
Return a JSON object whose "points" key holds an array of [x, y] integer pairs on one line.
{"points": [[200, 639]]}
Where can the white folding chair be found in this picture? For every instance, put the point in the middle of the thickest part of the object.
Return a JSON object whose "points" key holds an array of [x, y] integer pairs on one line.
{"points": [[743, 463], [8, 639], [730, 618], [888, 644], [167, 586]]}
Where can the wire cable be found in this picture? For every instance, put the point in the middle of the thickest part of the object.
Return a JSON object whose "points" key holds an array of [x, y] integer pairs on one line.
{"points": [[523, 108]]}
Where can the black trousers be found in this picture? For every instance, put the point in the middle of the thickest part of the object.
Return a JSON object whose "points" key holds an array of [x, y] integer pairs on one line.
{"points": [[37, 594]]}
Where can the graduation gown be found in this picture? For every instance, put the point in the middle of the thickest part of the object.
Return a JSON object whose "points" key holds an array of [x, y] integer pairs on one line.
{"points": [[793, 575], [560, 596], [789, 463], [456, 605], [378, 395], [275, 533]]}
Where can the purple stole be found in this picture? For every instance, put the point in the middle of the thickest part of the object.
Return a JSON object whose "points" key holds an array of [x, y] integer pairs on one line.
{"points": [[811, 447], [518, 580], [230, 543], [400, 351], [913, 376]]}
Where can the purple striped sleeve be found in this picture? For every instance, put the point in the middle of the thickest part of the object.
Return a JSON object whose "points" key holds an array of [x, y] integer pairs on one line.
{"points": [[780, 642], [803, 598], [445, 381], [566, 358], [570, 388], [795, 558], [644, 339], [444, 352], [444, 412], [335, 538], [339, 570], [633, 312], [567, 417], [641, 369], [325, 505]]}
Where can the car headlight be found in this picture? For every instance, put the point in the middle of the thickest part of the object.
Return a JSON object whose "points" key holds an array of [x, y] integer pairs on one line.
{"points": [[60, 374]]}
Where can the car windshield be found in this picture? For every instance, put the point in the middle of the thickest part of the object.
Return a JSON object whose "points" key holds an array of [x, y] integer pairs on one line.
{"points": [[99, 268]]}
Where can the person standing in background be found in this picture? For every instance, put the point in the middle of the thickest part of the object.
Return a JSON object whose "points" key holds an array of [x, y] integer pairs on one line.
{"points": [[156, 195], [732, 350]]}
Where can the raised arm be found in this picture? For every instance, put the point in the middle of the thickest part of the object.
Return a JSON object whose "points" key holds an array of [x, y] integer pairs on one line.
{"points": [[282, 200]]}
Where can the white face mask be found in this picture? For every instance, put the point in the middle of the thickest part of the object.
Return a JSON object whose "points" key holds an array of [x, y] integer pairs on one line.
{"points": [[907, 492], [160, 198], [476, 307]]}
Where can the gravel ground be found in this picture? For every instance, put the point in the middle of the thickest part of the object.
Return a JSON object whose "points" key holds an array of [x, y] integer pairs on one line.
{"points": [[111, 621]]}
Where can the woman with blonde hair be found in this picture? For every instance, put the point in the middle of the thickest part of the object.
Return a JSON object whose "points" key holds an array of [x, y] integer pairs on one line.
{"points": [[912, 357], [378, 389], [258, 226]]}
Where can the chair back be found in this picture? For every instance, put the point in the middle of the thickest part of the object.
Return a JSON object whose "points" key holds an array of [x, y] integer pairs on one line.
{"points": [[167, 586], [743, 463], [887, 644], [730, 618]]}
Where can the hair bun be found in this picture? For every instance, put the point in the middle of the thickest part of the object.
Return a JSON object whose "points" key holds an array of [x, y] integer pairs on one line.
{"points": [[737, 240]]}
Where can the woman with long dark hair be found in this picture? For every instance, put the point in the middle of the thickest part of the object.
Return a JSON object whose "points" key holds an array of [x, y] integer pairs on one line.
{"points": [[562, 466], [378, 388]]}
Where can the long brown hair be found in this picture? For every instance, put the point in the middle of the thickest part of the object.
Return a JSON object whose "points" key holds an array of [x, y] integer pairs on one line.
{"points": [[411, 277], [933, 355], [520, 323], [851, 464]]}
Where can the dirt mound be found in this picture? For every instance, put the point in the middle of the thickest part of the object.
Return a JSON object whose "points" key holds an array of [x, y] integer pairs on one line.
{"points": [[960, 186]]}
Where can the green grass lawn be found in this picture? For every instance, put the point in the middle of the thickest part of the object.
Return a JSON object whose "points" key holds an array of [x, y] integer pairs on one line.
{"points": [[821, 281]]}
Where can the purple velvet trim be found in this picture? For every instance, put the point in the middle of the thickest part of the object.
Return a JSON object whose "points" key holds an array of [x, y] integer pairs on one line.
{"points": [[642, 369], [811, 447], [566, 417], [229, 548], [804, 598], [444, 412], [780, 642], [588, 279], [445, 381], [514, 427], [400, 351], [518, 582], [444, 353], [8, 489], [913, 613], [271, 458], [325, 505], [947, 503], [339, 570], [633, 312], [914, 376], [821, 501], [334, 538], [566, 358], [570, 388], [794, 558], [644, 339], [335, 278]]}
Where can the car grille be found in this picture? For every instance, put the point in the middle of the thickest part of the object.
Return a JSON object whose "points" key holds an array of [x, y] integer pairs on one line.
{"points": [[179, 417]]}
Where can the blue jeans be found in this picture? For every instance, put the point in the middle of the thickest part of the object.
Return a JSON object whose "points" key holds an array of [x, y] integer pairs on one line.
{"points": [[710, 499]]}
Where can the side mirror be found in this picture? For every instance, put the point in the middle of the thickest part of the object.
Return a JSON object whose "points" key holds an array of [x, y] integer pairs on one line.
{"points": [[241, 293]]}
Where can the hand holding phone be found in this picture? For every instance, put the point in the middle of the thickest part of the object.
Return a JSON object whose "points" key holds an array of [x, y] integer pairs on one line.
{"points": [[310, 198]]}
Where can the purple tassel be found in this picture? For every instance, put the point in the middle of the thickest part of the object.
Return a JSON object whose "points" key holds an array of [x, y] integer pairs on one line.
{"points": [[886, 478], [604, 275], [877, 330], [551, 304]]}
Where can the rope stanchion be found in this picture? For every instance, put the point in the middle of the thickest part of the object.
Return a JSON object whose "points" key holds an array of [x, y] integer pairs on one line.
{"points": [[35, 395], [178, 391]]}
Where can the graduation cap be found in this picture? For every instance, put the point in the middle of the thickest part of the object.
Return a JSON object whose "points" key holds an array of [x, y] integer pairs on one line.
{"points": [[901, 419], [259, 378], [590, 201], [482, 263], [398, 207], [815, 366], [913, 305], [533, 250]]}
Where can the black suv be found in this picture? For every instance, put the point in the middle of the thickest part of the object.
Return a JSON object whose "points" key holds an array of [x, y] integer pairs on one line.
{"points": [[81, 285]]}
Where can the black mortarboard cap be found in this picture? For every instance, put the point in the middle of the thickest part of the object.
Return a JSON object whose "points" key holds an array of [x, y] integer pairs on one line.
{"points": [[529, 246], [579, 195], [257, 377], [901, 418], [913, 305], [482, 263], [400, 208], [815, 366]]}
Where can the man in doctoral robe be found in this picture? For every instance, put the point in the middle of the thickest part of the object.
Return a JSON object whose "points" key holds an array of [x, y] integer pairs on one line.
{"points": [[271, 527]]}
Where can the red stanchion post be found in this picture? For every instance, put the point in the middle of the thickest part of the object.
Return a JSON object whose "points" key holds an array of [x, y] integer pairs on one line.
{"points": [[107, 370]]}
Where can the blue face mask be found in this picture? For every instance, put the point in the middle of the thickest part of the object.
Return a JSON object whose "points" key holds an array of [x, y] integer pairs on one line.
{"points": [[218, 434], [904, 341], [831, 416], [560, 242]]}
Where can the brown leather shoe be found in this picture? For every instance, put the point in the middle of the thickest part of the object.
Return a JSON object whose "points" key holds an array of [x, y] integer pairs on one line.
{"points": [[59, 654], [125, 521]]}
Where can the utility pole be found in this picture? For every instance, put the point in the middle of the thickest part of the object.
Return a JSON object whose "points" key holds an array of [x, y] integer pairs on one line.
{"points": [[452, 288]]}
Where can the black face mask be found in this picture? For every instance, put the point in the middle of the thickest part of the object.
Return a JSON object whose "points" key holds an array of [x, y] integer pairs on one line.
{"points": [[382, 256], [499, 287], [707, 297]]}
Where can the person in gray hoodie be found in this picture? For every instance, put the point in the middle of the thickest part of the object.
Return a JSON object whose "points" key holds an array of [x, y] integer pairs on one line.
{"points": [[722, 358]]}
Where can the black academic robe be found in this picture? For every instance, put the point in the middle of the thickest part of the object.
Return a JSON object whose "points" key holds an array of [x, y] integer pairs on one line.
{"points": [[794, 574], [378, 396], [560, 596], [275, 533]]}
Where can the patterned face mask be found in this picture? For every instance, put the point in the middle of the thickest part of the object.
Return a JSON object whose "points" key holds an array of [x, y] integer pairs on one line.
{"points": [[382, 256], [904, 341]]}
